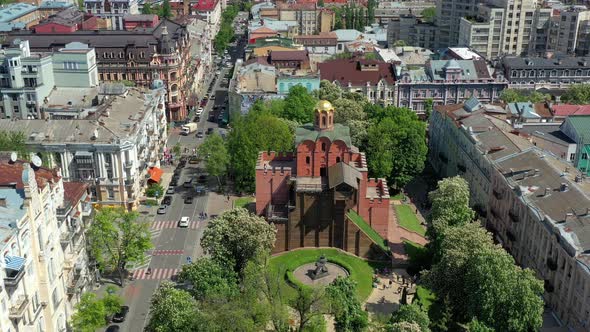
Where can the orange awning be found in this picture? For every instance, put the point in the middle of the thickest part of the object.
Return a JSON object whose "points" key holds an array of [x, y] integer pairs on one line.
{"points": [[155, 174]]}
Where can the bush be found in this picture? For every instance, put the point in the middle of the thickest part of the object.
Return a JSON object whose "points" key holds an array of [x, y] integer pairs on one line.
{"points": [[150, 202], [154, 190]]}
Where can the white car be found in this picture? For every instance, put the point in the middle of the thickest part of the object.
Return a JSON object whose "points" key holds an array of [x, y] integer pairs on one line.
{"points": [[183, 222], [199, 111]]}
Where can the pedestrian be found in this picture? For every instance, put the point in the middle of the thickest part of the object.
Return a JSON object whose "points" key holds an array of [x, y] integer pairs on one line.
{"points": [[149, 270], [206, 215]]}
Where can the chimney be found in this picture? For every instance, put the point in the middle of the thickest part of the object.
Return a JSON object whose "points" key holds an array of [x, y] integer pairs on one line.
{"points": [[2, 201], [564, 187]]}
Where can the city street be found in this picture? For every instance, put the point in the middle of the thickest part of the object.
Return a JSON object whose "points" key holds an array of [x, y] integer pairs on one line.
{"points": [[174, 245]]}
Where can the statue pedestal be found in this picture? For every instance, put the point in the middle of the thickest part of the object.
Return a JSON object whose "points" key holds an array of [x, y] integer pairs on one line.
{"points": [[318, 275]]}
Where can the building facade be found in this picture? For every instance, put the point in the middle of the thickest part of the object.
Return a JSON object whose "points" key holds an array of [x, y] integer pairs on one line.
{"points": [[371, 78], [310, 18], [577, 128], [28, 78], [110, 150], [318, 195], [323, 43], [446, 82], [562, 30], [40, 270], [139, 56], [114, 10]]}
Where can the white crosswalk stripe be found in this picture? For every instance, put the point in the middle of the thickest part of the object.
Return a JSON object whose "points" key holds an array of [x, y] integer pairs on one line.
{"points": [[167, 224], [156, 274]]}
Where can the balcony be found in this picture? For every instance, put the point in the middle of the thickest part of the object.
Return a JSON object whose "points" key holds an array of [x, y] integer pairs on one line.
{"points": [[15, 269], [18, 310], [513, 216], [75, 285], [552, 264], [128, 164], [277, 212], [86, 209], [65, 238], [78, 241]]}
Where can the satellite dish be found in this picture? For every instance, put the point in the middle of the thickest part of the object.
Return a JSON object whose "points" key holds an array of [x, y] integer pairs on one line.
{"points": [[37, 162], [13, 157]]}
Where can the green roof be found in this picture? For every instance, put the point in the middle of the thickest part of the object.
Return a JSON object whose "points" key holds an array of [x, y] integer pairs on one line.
{"points": [[308, 132], [274, 41], [581, 124], [368, 230]]}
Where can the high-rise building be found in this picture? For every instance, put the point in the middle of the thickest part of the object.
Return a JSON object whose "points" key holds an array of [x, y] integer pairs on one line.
{"points": [[114, 10], [562, 30]]}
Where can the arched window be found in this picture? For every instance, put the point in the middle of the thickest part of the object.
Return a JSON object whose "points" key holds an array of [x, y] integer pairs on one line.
{"points": [[323, 121], [337, 159], [307, 160], [323, 146]]}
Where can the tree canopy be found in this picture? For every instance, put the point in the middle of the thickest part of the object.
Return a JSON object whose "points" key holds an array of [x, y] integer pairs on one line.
{"points": [[116, 239], [521, 96], [429, 14], [91, 312], [209, 279], [165, 10], [173, 310], [577, 94], [214, 153], [413, 314], [345, 306], [236, 236]]}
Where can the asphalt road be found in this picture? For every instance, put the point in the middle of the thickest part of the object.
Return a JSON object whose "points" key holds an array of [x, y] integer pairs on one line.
{"points": [[172, 245]]}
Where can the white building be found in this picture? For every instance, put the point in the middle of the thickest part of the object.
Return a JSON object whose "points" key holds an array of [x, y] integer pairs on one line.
{"points": [[113, 10], [38, 272], [112, 149]]}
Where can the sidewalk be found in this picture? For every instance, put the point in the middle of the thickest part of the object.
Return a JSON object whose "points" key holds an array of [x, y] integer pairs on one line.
{"points": [[397, 235]]}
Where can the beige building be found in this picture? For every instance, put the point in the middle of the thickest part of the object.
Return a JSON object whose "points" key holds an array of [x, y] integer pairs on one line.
{"points": [[39, 271], [310, 18], [539, 211], [562, 30], [257, 75], [499, 27]]}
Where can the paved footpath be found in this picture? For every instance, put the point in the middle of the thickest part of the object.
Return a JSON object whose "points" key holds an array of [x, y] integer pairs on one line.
{"points": [[398, 234]]}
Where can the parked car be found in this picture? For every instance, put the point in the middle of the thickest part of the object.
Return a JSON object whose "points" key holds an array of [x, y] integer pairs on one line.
{"points": [[200, 134], [120, 316], [174, 183], [170, 191], [201, 190], [210, 131], [193, 160], [183, 222], [162, 209], [188, 200], [113, 328], [167, 200]]}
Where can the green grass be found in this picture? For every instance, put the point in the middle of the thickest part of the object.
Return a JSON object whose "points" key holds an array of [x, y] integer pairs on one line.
{"points": [[371, 233], [413, 250], [243, 202], [360, 270], [424, 297], [408, 220], [398, 197]]}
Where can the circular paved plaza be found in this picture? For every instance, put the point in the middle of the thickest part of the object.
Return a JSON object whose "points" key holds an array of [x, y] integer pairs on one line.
{"points": [[304, 272]]}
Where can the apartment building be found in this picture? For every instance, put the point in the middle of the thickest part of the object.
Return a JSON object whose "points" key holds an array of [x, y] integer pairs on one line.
{"points": [[210, 11], [413, 31], [562, 30], [551, 74], [41, 277], [448, 18], [446, 82], [111, 149], [114, 10], [28, 78], [141, 56], [539, 213], [310, 18]]}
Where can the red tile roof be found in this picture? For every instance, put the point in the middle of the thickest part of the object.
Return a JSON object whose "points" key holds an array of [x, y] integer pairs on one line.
{"points": [[12, 173], [205, 5], [567, 110], [349, 71], [73, 191]]}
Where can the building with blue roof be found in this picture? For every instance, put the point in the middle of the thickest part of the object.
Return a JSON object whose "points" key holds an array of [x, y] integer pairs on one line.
{"points": [[20, 13]]}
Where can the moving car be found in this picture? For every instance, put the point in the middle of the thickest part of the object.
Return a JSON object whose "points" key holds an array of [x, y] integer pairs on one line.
{"points": [[189, 128], [120, 316], [188, 200], [183, 222], [201, 190], [162, 209], [200, 134]]}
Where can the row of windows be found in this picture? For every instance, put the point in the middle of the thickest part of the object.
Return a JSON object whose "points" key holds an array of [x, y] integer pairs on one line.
{"points": [[111, 55]]}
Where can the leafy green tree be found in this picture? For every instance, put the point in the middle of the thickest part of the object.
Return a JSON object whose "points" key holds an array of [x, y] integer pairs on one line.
{"points": [[404, 327], [251, 134], [477, 326], [480, 280], [154, 190], [450, 206], [411, 313], [520, 96], [90, 314], [209, 280], [147, 9], [165, 10], [371, 5], [329, 91], [177, 149], [428, 107], [429, 14], [400, 43], [237, 236], [310, 304], [396, 145], [358, 133], [299, 105], [173, 310], [577, 94], [321, 3], [215, 155], [116, 239], [348, 312], [347, 110], [13, 141]]}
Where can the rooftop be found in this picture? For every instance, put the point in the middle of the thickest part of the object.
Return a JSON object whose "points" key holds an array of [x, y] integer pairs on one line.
{"points": [[15, 10], [74, 192], [568, 110], [538, 62], [288, 55], [11, 174], [12, 212], [55, 5], [550, 132], [581, 124], [308, 132], [351, 71]]}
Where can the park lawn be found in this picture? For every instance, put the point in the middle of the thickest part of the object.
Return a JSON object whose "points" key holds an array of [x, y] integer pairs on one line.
{"points": [[361, 271], [398, 197], [408, 220], [424, 297], [243, 202], [371, 233]]}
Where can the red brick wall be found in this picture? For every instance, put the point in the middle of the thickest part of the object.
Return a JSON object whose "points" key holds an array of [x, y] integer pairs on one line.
{"points": [[54, 28], [374, 211], [305, 149], [272, 184]]}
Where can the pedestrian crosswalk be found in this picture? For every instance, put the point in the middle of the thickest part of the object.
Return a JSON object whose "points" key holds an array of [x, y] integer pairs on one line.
{"points": [[158, 225], [155, 274], [167, 252]]}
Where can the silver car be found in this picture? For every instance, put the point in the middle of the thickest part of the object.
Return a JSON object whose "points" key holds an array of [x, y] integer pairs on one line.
{"points": [[162, 209]]}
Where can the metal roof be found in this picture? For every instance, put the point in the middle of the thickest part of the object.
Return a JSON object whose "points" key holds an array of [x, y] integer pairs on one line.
{"points": [[343, 173]]}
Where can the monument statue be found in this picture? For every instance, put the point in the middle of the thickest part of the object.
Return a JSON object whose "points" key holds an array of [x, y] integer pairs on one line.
{"points": [[321, 270]]}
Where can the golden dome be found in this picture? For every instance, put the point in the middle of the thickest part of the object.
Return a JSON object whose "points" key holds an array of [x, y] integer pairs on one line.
{"points": [[324, 106]]}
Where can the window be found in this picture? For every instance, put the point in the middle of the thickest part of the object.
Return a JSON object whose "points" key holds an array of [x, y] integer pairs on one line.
{"points": [[572, 156], [337, 159], [111, 193], [16, 109], [70, 65], [55, 297], [307, 160], [584, 156], [323, 146], [51, 269]]}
